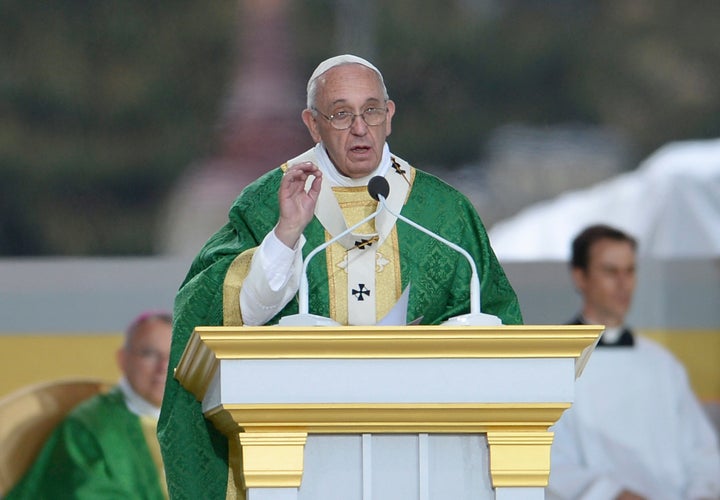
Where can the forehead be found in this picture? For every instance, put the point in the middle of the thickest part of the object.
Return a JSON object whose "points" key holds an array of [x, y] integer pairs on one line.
{"points": [[609, 252], [151, 331], [349, 82]]}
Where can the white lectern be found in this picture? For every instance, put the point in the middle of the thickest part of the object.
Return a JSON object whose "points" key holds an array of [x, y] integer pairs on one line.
{"points": [[375, 413]]}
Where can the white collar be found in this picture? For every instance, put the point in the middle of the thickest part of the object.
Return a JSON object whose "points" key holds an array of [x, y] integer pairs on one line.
{"points": [[611, 334], [136, 403], [337, 179]]}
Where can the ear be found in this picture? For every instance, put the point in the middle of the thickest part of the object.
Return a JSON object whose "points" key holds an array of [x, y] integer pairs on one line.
{"points": [[311, 123], [579, 278], [390, 113], [121, 359]]}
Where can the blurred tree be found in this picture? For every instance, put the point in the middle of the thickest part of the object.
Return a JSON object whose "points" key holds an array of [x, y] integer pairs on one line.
{"points": [[459, 69], [649, 68], [102, 103], [459, 72]]}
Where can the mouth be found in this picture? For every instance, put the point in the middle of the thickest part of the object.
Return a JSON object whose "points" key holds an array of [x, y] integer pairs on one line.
{"points": [[360, 149]]}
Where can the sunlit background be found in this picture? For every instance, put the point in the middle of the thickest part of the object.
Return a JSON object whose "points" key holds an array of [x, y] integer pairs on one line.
{"points": [[127, 129]]}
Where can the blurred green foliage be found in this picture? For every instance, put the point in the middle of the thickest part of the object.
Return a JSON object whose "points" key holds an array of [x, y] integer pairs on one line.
{"points": [[104, 103], [460, 69]]}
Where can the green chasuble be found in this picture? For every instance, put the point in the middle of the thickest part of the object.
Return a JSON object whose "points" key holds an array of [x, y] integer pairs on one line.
{"points": [[194, 453], [98, 452]]}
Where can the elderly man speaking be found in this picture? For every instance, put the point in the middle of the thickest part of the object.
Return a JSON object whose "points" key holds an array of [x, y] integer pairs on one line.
{"points": [[249, 271]]}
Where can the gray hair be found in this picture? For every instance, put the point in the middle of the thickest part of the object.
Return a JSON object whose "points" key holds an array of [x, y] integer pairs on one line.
{"points": [[328, 64], [147, 316]]}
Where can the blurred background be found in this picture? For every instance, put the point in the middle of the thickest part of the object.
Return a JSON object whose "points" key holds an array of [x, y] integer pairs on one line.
{"points": [[127, 129], [106, 106]]}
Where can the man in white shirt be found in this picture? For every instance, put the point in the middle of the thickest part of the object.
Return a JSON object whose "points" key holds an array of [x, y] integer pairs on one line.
{"points": [[636, 431]]}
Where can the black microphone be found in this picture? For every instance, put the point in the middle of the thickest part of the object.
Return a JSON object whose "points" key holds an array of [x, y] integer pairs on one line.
{"points": [[378, 186], [379, 189]]}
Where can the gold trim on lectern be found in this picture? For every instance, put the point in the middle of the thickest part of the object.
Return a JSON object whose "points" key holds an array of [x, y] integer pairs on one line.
{"points": [[208, 345], [519, 457], [272, 459], [267, 440], [386, 418]]}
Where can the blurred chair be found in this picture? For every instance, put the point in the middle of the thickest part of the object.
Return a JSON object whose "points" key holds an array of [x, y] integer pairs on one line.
{"points": [[29, 415]]}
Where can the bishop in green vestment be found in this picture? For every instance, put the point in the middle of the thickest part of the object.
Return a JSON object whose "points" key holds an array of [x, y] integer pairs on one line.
{"points": [[106, 448], [98, 452], [248, 272]]}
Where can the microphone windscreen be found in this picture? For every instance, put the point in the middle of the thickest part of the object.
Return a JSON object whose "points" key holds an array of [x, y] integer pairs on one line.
{"points": [[377, 187]]}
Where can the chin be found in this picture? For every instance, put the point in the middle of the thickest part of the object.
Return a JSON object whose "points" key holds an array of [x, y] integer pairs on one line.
{"points": [[361, 168], [361, 172]]}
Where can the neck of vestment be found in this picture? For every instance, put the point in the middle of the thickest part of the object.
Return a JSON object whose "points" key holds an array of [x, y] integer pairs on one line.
{"points": [[363, 267]]}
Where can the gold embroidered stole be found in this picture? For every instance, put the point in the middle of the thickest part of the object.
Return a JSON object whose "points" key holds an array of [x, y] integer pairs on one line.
{"points": [[364, 282], [149, 428], [343, 258]]}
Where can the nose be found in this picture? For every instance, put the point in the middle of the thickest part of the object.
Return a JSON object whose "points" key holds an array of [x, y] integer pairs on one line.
{"points": [[626, 283], [161, 362], [358, 126], [161, 367]]}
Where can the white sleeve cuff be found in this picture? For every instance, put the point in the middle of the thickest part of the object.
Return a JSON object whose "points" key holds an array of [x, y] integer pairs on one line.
{"points": [[277, 259], [272, 281]]}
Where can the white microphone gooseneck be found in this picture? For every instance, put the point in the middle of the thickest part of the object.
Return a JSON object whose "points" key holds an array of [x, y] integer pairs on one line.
{"points": [[379, 189], [303, 289]]}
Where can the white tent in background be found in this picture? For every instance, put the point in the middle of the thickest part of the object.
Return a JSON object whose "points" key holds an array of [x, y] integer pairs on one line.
{"points": [[671, 203]]}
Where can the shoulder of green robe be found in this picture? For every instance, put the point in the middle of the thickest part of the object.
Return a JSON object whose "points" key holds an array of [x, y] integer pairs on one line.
{"points": [[425, 181], [262, 191], [96, 410], [429, 190], [252, 215]]}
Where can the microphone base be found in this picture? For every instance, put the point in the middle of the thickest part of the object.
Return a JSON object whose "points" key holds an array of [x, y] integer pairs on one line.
{"points": [[473, 319], [307, 320]]}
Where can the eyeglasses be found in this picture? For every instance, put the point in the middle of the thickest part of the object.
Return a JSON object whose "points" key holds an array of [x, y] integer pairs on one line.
{"points": [[343, 120], [150, 355]]}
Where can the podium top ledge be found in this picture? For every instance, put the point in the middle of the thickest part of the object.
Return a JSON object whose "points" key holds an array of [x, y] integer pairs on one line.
{"points": [[208, 346], [422, 341]]}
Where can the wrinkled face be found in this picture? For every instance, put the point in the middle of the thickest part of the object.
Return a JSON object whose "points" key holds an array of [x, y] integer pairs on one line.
{"points": [[352, 88], [608, 283], [144, 361]]}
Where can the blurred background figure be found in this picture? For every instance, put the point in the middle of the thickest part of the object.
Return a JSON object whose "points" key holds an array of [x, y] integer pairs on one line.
{"points": [[636, 429], [107, 446]]}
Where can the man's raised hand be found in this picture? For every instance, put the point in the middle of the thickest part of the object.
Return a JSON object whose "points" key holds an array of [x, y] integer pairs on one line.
{"points": [[297, 206]]}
